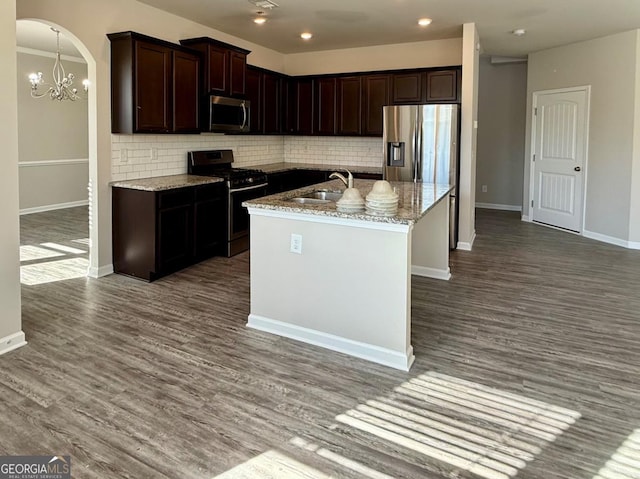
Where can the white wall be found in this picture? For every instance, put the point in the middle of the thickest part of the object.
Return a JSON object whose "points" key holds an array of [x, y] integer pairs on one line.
{"points": [[609, 65], [634, 210], [10, 319], [435, 53], [502, 99], [468, 136], [50, 133]]}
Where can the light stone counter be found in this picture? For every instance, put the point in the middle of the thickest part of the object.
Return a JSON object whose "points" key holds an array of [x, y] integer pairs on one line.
{"points": [[160, 183], [415, 200]]}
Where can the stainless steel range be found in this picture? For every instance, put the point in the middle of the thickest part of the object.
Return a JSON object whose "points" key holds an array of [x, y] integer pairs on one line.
{"points": [[242, 184]]}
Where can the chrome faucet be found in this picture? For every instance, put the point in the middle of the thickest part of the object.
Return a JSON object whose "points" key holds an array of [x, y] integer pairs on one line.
{"points": [[348, 183]]}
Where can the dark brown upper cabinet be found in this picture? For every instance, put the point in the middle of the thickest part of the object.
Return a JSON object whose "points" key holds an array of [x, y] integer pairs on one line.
{"points": [[349, 105], [408, 87], [376, 91], [325, 106], [225, 65], [299, 108], [186, 81], [265, 91], [271, 104], [154, 85], [254, 95], [442, 86]]}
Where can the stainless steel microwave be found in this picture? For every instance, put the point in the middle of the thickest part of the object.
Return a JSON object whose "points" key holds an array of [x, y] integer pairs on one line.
{"points": [[228, 115]]}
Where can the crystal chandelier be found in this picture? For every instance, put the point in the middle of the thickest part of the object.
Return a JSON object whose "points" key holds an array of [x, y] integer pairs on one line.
{"points": [[62, 87]]}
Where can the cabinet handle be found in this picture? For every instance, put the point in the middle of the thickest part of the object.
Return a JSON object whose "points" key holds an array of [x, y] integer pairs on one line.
{"points": [[577, 168], [139, 107]]}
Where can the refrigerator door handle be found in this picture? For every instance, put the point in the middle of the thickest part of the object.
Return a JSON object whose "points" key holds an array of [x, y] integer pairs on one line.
{"points": [[417, 155]]}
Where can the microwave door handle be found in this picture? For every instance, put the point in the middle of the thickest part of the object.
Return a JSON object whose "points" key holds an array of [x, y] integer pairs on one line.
{"points": [[244, 116]]}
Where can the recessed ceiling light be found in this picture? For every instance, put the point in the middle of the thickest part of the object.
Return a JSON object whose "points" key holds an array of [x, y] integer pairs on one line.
{"points": [[518, 32], [306, 36], [423, 22]]}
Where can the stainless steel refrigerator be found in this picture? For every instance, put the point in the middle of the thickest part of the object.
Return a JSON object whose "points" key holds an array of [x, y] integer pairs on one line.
{"points": [[421, 144]]}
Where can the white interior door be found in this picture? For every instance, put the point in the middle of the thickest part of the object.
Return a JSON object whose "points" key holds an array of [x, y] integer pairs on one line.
{"points": [[559, 157]]}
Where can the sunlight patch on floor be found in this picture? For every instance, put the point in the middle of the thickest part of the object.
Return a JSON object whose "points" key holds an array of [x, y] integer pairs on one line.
{"points": [[625, 462], [84, 241], [65, 269], [63, 248], [339, 459], [475, 428], [31, 252], [272, 464]]}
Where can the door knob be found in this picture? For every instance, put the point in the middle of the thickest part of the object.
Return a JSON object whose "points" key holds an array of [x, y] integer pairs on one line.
{"points": [[577, 168]]}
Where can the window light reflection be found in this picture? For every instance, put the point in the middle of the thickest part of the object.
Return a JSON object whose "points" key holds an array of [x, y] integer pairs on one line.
{"points": [[483, 430], [625, 462]]}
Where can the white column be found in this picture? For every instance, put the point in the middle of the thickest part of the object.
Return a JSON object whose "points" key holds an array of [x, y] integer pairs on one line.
{"points": [[11, 335], [468, 133]]}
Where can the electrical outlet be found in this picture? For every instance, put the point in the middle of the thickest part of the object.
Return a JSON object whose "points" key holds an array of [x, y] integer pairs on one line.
{"points": [[484, 188], [296, 243]]}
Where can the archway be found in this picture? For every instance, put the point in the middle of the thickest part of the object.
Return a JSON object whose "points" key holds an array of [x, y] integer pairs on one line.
{"points": [[93, 269]]}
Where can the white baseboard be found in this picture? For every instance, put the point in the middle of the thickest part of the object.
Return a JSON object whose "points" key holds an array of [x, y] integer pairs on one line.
{"points": [[467, 246], [100, 272], [11, 342], [526, 218], [434, 273], [611, 240], [495, 206], [376, 354], [58, 206]]}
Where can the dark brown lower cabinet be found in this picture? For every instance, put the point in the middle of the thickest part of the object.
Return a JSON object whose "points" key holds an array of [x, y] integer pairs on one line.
{"points": [[158, 232]]}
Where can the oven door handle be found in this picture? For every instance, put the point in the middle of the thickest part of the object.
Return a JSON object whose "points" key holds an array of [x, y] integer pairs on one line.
{"points": [[252, 187]]}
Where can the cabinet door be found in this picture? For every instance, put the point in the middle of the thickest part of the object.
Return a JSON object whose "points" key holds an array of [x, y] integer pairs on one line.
{"points": [[237, 73], [218, 74], [376, 90], [408, 87], [174, 238], [186, 92], [304, 106], [209, 221], [349, 104], [152, 88], [270, 103], [254, 95], [325, 106], [442, 86]]}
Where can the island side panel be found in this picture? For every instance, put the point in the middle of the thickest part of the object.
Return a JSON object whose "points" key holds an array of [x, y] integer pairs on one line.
{"points": [[349, 290], [430, 243]]}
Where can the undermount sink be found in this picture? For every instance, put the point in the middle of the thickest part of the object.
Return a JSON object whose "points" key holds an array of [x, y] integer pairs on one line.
{"points": [[309, 201], [318, 197]]}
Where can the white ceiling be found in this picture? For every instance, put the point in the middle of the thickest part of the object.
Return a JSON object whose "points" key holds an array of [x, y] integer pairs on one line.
{"points": [[38, 36], [355, 23]]}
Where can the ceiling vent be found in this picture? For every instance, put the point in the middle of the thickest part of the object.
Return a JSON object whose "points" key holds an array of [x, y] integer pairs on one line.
{"points": [[264, 4]]}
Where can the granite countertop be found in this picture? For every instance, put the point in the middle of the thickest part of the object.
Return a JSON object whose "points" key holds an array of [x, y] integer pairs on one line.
{"points": [[277, 167], [415, 200], [160, 183]]}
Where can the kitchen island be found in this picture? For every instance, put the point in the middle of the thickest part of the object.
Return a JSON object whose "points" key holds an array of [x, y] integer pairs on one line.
{"points": [[343, 280]]}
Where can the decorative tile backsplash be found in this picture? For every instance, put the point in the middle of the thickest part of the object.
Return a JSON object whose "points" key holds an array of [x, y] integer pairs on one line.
{"points": [[333, 150], [141, 156]]}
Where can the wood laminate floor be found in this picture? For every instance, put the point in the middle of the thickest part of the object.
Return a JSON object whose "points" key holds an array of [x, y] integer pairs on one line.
{"points": [[527, 365]]}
